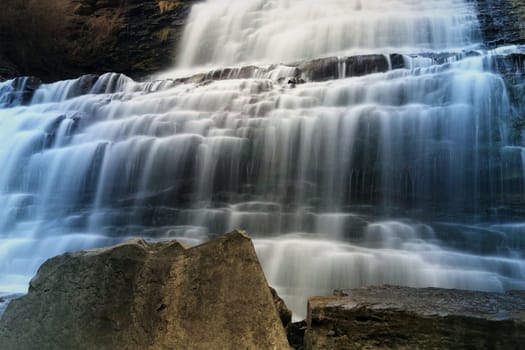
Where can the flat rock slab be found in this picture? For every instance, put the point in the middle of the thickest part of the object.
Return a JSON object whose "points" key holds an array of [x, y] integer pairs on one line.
{"points": [[421, 318], [139, 295]]}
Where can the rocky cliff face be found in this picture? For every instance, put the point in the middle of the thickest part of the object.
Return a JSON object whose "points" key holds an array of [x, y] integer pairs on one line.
{"points": [[60, 39], [503, 23], [149, 296], [500, 21]]}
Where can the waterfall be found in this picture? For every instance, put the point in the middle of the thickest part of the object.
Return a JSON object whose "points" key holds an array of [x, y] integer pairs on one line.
{"points": [[406, 175], [226, 32]]}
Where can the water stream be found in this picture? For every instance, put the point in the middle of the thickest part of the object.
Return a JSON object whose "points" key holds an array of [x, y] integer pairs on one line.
{"points": [[407, 176]]}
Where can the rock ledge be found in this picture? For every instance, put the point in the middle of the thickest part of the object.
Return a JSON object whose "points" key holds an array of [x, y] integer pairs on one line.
{"points": [[422, 318]]}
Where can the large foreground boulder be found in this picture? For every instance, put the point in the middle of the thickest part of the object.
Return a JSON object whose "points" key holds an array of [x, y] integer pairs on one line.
{"points": [[391, 317], [148, 296]]}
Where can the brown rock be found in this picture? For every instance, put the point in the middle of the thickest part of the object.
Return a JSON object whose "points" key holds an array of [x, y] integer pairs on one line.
{"points": [[148, 296], [391, 317], [59, 39]]}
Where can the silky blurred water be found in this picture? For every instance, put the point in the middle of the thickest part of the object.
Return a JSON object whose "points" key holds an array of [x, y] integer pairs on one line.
{"points": [[384, 178]]}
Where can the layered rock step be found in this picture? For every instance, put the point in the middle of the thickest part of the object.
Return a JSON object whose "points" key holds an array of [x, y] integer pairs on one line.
{"points": [[391, 317], [21, 90]]}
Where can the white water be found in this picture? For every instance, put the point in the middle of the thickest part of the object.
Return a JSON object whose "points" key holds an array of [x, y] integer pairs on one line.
{"points": [[343, 183], [227, 32]]}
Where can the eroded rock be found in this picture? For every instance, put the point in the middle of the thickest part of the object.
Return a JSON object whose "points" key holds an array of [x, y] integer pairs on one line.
{"points": [[148, 296]]}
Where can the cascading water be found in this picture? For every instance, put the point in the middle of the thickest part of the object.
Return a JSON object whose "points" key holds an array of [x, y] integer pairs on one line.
{"points": [[394, 177], [226, 32]]}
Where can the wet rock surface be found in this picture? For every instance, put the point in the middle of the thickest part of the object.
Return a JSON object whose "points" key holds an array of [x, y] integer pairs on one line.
{"points": [[500, 22], [19, 91], [334, 68], [148, 296], [320, 69], [512, 68], [409, 318]]}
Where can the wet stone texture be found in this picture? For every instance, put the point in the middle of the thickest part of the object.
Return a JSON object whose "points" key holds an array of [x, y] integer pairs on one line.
{"points": [[409, 318], [499, 22]]}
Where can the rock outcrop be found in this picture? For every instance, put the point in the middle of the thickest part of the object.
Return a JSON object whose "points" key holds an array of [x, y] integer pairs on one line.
{"points": [[148, 296], [59, 39], [391, 317]]}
